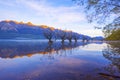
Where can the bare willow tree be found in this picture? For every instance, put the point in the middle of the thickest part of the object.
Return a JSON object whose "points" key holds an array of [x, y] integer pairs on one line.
{"points": [[62, 35], [49, 33], [76, 36], [56, 34], [69, 36]]}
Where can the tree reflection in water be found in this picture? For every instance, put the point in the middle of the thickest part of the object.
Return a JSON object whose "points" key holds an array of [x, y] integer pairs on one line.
{"points": [[112, 53], [68, 61], [20, 49]]}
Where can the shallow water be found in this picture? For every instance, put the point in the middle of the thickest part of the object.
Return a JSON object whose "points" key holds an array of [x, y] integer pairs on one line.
{"points": [[38, 60]]}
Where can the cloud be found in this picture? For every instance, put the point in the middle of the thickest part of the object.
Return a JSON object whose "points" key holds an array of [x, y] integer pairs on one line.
{"points": [[62, 14], [45, 9]]}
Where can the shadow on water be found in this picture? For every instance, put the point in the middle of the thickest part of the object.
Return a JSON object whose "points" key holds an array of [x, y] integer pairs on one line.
{"points": [[112, 53], [13, 49]]}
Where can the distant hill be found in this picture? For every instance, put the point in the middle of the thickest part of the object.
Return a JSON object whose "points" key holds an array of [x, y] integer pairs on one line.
{"points": [[98, 38], [114, 36]]}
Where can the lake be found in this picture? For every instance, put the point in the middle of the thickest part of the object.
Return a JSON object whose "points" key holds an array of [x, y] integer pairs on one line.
{"points": [[38, 60]]}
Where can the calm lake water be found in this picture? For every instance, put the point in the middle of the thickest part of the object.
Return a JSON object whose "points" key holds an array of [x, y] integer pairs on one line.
{"points": [[38, 60]]}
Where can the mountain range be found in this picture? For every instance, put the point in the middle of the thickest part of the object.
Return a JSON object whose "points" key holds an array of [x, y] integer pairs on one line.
{"points": [[19, 30]]}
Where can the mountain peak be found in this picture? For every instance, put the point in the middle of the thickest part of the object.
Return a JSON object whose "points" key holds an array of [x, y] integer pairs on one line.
{"points": [[45, 26], [30, 24], [7, 27], [21, 22], [8, 21]]}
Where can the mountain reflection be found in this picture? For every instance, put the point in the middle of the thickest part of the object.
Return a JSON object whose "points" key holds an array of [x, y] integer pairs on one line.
{"points": [[112, 53], [14, 49]]}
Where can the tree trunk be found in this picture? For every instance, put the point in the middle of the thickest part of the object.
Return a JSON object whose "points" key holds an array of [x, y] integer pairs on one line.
{"points": [[62, 41], [70, 40], [50, 41], [75, 40], [83, 40]]}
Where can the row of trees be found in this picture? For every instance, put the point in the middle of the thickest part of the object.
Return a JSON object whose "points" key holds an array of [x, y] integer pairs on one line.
{"points": [[50, 34]]}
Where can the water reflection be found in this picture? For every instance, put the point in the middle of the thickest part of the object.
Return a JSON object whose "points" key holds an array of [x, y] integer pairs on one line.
{"points": [[112, 53], [14, 49], [38, 60]]}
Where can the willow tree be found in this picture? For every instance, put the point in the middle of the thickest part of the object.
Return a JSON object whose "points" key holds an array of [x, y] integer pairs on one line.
{"points": [[109, 29], [76, 36], [62, 35], [69, 36], [49, 33], [100, 11]]}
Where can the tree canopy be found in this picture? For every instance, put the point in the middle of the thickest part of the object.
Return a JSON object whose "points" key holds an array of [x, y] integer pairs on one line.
{"points": [[115, 35], [112, 27], [101, 11]]}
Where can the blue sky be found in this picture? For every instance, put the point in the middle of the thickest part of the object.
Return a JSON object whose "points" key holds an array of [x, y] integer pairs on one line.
{"points": [[62, 14]]}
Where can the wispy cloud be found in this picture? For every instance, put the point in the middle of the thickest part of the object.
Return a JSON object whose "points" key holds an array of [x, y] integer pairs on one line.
{"points": [[61, 14]]}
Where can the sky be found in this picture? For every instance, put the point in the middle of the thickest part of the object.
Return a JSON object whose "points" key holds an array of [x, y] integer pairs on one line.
{"points": [[61, 14]]}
